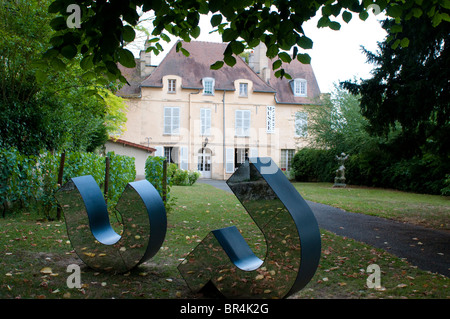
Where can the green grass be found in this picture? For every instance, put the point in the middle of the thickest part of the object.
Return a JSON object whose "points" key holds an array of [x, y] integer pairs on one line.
{"points": [[426, 210], [28, 244]]}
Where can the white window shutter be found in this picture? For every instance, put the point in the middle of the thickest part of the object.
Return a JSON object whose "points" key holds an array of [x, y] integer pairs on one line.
{"points": [[159, 151], [229, 166], [184, 158]]}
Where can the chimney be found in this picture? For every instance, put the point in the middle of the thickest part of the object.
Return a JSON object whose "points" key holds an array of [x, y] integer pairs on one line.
{"points": [[259, 62], [146, 67]]}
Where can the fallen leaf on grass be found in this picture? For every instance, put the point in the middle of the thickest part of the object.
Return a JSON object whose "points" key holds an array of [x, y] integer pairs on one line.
{"points": [[46, 270]]}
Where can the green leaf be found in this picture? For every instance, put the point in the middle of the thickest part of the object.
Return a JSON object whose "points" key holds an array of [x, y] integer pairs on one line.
{"points": [[128, 34], [395, 44], [395, 11], [396, 28], [305, 42], [277, 64], [216, 20], [445, 4], [347, 16], [185, 52], [86, 62], [88, 76], [56, 6], [237, 47], [404, 43], [126, 58], [165, 37], [333, 25], [230, 60], [363, 15], [58, 23], [57, 64], [217, 65], [229, 35], [304, 58], [195, 32], [272, 51], [285, 57], [69, 51], [323, 22]]}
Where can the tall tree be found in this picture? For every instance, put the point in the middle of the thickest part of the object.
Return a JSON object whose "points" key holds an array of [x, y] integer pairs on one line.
{"points": [[44, 107], [410, 87]]}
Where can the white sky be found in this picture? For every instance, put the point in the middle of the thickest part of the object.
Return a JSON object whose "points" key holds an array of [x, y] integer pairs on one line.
{"points": [[335, 56]]}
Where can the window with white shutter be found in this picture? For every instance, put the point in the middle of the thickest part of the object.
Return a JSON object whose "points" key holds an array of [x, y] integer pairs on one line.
{"points": [[242, 123], [205, 119], [184, 158], [171, 120], [229, 157]]}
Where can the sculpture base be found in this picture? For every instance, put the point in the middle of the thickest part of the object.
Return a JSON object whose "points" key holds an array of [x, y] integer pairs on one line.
{"points": [[339, 182]]}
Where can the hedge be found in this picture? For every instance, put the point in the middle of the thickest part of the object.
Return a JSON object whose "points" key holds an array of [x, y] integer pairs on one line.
{"points": [[35, 178], [375, 167]]}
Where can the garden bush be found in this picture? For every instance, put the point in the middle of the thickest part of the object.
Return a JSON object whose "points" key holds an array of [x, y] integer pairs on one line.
{"points": [[375, 167], [314, 165], [34, 179]]}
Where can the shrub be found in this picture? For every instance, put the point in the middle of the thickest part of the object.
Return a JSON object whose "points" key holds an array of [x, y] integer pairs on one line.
{"points": [[314, 165], [34, 178], [121, 172], [181, 178], [154, 174], [193, 177]]}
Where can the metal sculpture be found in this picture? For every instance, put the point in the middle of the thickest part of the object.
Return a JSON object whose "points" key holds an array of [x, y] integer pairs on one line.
{"points": [[144, 224], [292, 236]]}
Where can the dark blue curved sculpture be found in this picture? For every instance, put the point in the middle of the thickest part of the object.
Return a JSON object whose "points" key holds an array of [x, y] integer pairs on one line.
{"points": [[290, 229], [144, 224]]}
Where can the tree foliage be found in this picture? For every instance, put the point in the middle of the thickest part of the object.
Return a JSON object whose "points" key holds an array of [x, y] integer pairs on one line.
{"points": [[410, 87], [107, 26], [48, 105]]}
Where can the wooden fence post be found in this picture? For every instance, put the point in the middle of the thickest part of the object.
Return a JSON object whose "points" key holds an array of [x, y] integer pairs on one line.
{"points": [[60, 180], [106, 179], [164, 182]]}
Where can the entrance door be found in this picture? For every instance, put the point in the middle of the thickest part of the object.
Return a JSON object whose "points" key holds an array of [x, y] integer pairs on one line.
{"points": [[204, 162]]}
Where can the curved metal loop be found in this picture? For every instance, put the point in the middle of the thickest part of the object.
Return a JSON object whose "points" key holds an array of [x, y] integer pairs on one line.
{"points": [[291, 233], [92, 235]]}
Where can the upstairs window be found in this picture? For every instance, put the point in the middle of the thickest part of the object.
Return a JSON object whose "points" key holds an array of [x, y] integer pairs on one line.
{"points": [[242, 124], [208, 86], [243, 89], [299, 87], [171, 88], [205, 119], [171, 120]]}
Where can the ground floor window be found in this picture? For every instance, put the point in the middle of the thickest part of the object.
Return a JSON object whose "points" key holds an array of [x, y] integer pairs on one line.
{"points": [[171, 154], [240, 156], [286, 159]]}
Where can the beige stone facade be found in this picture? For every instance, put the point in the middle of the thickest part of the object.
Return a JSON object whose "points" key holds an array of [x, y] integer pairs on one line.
{"points": [[212, 120]]}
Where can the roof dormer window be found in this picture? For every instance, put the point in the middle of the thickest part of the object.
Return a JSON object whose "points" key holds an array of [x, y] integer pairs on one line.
{"points": [[208, 86], [299, 87]]}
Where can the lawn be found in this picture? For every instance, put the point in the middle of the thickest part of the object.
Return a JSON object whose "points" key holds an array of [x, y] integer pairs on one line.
{"points": [[35, 254], [430, 211]]}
